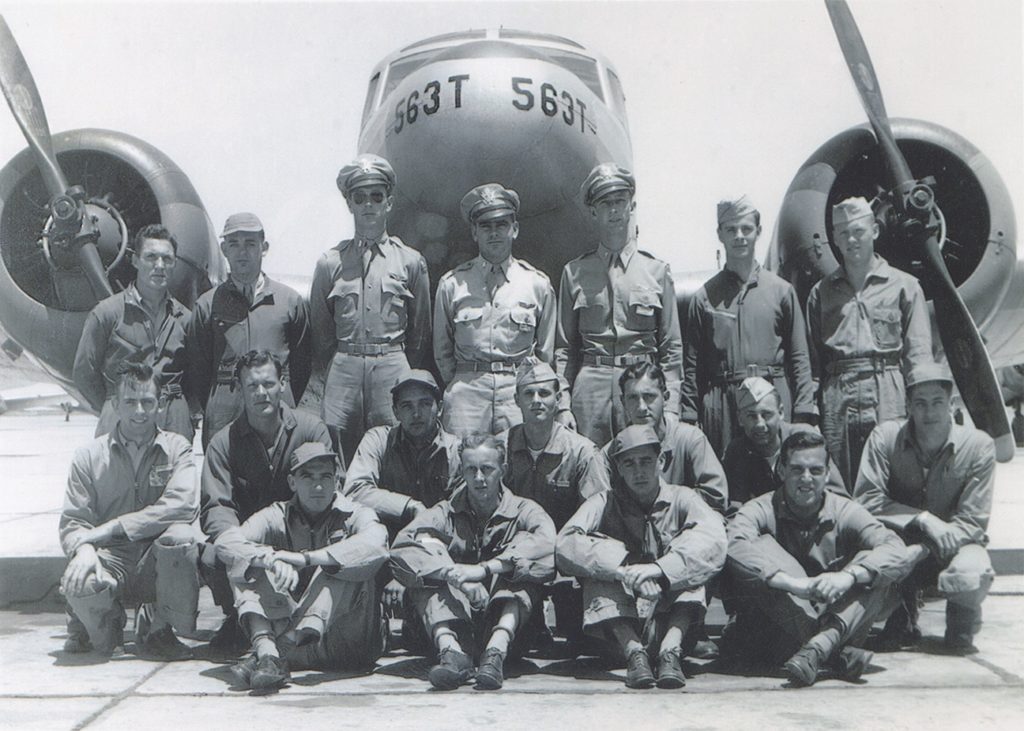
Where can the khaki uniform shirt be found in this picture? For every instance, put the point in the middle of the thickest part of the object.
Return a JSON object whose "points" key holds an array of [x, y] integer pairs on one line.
{"points": [[471, 327], [118, 330], [518, 532], [388, 303], [104, 484], [679, 533], [635, 314], [957, 488]]}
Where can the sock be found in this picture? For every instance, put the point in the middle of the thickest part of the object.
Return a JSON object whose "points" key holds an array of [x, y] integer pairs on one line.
{"points": [[446, 640], [264, 645], [500, 639]]}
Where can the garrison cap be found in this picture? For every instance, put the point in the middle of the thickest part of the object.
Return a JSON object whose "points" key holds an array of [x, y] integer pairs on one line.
{"points": [[530, 373], [366, 170], [639, 435], [242, 222], [850, 210], [309, 451], [734, 207], [751, 391], [418, 376], [928, 372], [604, 179], [489, 201]]}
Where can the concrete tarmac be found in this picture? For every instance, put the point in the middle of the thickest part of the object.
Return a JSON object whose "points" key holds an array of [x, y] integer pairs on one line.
{"points": [[41, 687]]}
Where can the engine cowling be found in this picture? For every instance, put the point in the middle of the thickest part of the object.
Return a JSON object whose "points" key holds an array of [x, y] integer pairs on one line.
{"points": [[979, 247], [128, 183]]}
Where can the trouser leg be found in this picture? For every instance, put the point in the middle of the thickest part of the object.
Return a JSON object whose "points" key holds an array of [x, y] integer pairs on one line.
{"points": [[176, 554], [965, 582], [346, 617], [597, 403], [99, 611]]}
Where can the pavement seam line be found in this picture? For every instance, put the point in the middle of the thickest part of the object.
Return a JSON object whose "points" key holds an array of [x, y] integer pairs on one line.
{"points": [[117, 698], [1005, 675]]}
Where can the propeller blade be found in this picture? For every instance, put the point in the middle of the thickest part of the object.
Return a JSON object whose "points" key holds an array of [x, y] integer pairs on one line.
{"points": [[20, 90], [92, 265], [968, 360]]}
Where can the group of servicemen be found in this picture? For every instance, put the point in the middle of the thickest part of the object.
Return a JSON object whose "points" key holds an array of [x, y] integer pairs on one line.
{"points": [[580, 451]]}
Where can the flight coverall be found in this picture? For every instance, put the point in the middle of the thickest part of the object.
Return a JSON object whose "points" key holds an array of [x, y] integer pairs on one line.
{"points": [[241, 476], [119, 330], [519, 532], [679, 533], [862, 345], [615, 310], [154, 500], [339, 603], [957, 487], [751, 474], [735, 330], [369, 311], [686, 459], [765, 537], [388, 472], [480, 339], [224, 326]]}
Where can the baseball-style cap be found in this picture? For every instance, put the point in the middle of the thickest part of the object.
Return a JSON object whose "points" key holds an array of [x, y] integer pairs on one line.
{"points": [[850, 210], [242, 222], [309, 451], [751, 391], [604, 179], [489, 201], [640, 435], [366, 170], [928, 372], [418, 376], [734, 207]]}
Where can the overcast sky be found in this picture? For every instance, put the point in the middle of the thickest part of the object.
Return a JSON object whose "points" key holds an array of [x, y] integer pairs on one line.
{"points": [[260, 103]]}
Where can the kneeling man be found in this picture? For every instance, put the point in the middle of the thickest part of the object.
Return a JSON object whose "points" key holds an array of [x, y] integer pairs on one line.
{"points": [[131, 496], [475, 565], [643, 547], [809, 571], [932, 481], [302, 572]]}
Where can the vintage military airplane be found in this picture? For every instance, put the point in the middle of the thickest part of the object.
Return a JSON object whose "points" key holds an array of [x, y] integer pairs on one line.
{"points": [[535, 112]]}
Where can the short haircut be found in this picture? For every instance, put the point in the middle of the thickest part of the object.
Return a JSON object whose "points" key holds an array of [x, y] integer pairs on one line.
{"points": [[478, 439], [646, 369], [804, 439], [153, 231], [255, 359], [130, 373], [757, 218]]}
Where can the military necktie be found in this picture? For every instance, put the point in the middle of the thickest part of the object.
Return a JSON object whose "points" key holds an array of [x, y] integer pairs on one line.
{"points": [[493, 281], [249, 290]]}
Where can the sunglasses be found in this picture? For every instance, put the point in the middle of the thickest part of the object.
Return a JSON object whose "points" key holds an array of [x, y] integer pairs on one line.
{"points": [[359, 197]]}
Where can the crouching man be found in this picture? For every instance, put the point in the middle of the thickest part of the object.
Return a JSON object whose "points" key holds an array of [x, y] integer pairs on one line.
{"points": [[643, 551], [932, 480], [131, 496], [809, 571], [475, 565], [302, 572]]}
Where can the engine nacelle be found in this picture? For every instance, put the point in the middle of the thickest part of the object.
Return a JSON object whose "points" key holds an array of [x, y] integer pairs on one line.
{"points": [[979, 248], [43, 302]]}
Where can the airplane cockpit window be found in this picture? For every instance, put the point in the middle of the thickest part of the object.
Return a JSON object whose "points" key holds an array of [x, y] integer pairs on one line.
{"points": [[404, 66], [371, 94], [583, 67], [618, 99]]}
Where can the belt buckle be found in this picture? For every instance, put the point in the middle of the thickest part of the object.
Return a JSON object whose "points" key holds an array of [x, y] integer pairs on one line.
{"points": [[496, 366]]}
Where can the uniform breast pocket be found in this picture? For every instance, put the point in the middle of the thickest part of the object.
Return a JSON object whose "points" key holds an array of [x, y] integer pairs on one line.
{"points": [[886, 328], [468, 316], [344, 296], [524, 317], [395, 297], [644, 308], [125, 340], [592, 310]]}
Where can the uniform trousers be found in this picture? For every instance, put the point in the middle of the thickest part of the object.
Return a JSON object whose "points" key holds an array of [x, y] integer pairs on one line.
{"points": [[480, 402], [357, 395], [597, 403]]}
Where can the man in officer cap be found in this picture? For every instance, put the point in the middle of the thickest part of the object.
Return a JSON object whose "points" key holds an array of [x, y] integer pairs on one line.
{"points": [[369, 308], [302, 573], [142, 324], [752, 458], [247, 312], [492, 314], [745, 321], [868, 327], [550, 464], [932, 481], [125, 528], [616, 307], [643, 551]]}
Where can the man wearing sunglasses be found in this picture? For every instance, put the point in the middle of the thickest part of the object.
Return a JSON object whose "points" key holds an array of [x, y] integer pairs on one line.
{"points": [[369, 308]]}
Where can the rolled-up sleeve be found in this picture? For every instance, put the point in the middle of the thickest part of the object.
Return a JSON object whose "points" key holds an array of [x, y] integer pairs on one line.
{"points": [[583, 552]]}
